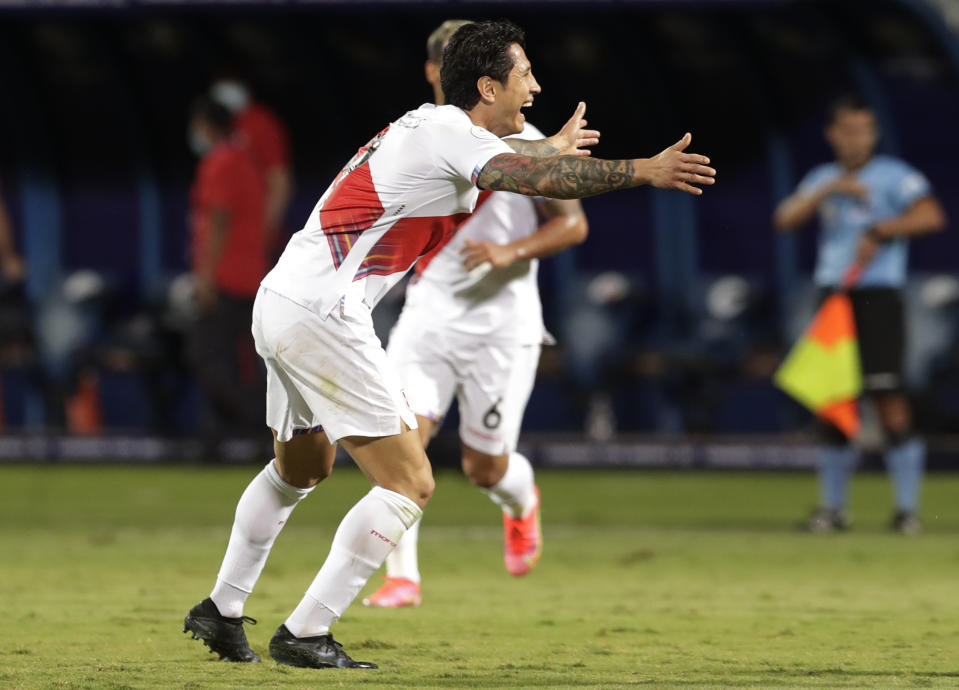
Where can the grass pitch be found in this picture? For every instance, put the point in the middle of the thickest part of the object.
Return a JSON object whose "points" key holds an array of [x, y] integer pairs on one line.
{"points": [[663, 580]]}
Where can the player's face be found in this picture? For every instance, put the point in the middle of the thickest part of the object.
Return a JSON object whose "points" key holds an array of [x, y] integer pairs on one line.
{"points": [[517, 93], [853, 136]]}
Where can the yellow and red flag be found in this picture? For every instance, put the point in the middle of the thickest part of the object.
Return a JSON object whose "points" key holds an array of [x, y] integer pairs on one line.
{"points": [[822, 370]]}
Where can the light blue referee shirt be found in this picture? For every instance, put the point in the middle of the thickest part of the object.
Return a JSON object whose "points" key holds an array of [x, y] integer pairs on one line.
{"points": [[893, 186]]}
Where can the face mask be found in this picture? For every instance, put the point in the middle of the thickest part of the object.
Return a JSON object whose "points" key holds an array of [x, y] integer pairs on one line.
{"points": [[231, 95], [198, 143]]}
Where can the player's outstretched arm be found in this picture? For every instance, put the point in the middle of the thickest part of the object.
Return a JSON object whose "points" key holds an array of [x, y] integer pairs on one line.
{"points": [[571, 140], [575, 177]]}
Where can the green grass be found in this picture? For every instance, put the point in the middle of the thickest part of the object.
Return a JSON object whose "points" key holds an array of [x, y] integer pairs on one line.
{"points": [[662, 580]]}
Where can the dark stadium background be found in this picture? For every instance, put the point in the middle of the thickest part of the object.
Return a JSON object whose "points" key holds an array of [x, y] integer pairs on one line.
{"points": [[95, 170]]}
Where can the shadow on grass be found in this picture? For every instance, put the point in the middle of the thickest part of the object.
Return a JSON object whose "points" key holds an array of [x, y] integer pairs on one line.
{"points": [[770, 677], [522, 676]]}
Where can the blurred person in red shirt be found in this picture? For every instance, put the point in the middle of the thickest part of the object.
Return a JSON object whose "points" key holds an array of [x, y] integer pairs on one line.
{"points": [[229, 257], [265, 137], [12, 272], [12, 267]]}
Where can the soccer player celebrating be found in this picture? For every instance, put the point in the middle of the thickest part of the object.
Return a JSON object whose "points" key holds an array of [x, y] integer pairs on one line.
{"points": [[479, 339], [869, 207], [396, 200]]}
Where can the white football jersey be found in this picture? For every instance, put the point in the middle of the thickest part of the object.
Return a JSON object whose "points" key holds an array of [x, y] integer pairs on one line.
{"points": [[503, 305], [398, 198]]}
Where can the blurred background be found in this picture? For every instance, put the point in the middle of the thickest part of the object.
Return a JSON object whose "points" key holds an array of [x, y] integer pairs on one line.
{"points": [[670, 319]]}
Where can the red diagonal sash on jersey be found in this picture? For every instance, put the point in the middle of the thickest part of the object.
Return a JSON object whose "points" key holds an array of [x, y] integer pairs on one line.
{"points": [[408, 239], [430, 254], [352, 208]]}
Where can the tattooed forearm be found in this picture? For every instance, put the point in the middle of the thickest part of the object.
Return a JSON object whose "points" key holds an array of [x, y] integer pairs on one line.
{"points": [[561, 177], [541, 148]]}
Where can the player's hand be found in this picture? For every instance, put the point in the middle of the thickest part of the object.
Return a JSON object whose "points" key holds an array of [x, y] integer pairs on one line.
{"points": [[869, 245], [866, 250], [676, 169], [476, 253], [848, 185], [574, 139]]}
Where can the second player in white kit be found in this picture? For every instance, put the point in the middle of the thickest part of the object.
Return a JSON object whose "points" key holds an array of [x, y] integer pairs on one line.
{"points": [[474, 331], [476, 338]]}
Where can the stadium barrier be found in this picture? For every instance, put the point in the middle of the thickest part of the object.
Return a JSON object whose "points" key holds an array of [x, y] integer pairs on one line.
{"points": [[544, 450]]}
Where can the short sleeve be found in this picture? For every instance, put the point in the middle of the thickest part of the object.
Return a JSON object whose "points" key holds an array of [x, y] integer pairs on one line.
{"points": [[462, 152], [909, 187]]}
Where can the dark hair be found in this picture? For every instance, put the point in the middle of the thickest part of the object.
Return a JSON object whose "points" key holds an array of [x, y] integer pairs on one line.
{"points": [[848, 101], [477, 50], [211, 112]]}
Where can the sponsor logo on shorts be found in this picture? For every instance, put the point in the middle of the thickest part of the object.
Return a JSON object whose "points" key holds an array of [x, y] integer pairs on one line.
{"points": [[380, 536]]}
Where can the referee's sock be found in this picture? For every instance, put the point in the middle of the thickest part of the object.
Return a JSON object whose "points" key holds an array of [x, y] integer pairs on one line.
{"points": [[906, 464], [836, 464]]}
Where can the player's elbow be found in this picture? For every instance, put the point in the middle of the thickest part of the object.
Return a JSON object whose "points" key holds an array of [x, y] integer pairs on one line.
{"points": [[939, 219], [782, 221]]}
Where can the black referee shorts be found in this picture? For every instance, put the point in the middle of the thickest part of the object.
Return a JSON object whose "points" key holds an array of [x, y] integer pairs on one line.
{"points": [[881, 329]]}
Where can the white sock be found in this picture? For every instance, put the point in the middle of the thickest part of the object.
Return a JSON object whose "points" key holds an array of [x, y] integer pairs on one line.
{"points": [[262, 511], [362, 542], [516, 491], [402, 561]]}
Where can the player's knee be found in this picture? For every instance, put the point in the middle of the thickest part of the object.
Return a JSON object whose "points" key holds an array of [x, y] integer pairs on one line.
{"points": [[418, 489], [306, 473], [305, 461], [483, 470], [425, 486], [417, 485], [304, 478], [321, 473], [480, 474]]}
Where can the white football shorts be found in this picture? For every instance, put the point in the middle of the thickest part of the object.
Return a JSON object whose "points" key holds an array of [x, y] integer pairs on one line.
{"points": [[492, 382], [330, 373]]}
